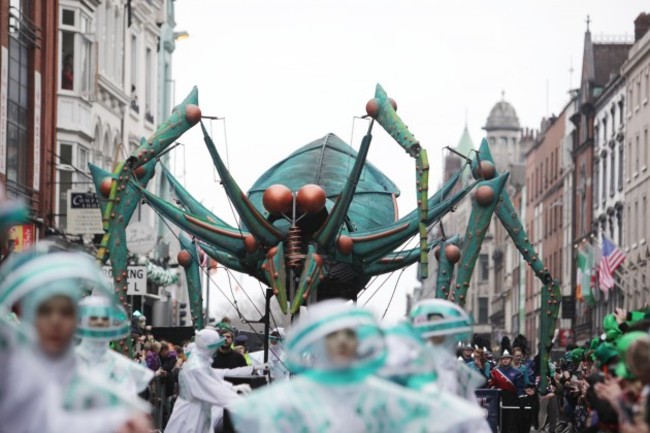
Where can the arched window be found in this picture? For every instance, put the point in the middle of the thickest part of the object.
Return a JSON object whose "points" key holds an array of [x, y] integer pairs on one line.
{"points": [[107, 152], [100, 21], [97, 145], [118, 56], [116, 146], [110, 41]]}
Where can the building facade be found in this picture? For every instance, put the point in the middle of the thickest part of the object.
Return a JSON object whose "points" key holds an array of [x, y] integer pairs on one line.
{"points": [[113, 89], [491, 300], [601, 60], [608, 203], [545, 192], [567, 173], [28, 70], [636, 229]]}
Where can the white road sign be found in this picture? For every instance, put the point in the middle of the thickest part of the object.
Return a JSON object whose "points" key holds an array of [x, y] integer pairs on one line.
{"points": [[137, 279]]}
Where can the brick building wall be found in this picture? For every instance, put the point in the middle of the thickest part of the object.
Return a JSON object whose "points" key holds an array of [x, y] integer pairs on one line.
{"points": [[28, 73]]}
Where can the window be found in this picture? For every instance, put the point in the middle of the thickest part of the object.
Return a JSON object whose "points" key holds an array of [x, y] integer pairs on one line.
{"points": [[482, 310], [148, 100], [629, 233], [118, 55], [604, 196], [620, 226], [72, 159], [484, 267], [630, 95], [596, 180], [637, 156], [621, 104], [76, 51], [18, 109], [612, 173], [644, 211], [620, 166], [629, 160], [605, 131], [635, 223], [638, 92], [108, 153], [135, 106], [546, 172], [645, 148]]}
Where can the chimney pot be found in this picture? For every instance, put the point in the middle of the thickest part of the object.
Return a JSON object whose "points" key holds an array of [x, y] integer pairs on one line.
{"points": [[641, 26]]}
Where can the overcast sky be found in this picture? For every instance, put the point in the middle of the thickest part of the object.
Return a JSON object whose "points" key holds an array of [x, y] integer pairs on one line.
{"points": [[284, 73]]}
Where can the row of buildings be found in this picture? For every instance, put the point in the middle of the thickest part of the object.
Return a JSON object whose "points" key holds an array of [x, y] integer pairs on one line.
{"points": [[581, 175], [81, 81]]}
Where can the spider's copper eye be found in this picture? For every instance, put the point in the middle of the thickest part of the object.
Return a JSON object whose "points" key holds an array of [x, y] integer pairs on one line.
{"points": [[311, 198], [277, 199]]}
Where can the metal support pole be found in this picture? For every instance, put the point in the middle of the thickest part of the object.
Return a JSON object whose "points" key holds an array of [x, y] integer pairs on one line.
{"points": [[207, 297], [267, 325]]}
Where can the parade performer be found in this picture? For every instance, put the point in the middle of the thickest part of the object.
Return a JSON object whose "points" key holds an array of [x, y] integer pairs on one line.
{"points": [[203, 393], [510, 381], [100, 322], [48, 390], [277, 366], [407, 362], [481, 365], [335, 348], [442, 324]]}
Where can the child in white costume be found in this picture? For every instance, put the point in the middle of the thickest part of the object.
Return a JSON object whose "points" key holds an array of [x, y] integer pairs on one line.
{"points": [[44, 389], [100, 322]]}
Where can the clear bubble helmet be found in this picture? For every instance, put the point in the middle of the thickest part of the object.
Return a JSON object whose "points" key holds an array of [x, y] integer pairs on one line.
{"points": [[101, 319], [45, 271], [441, 318], [334, 338]]}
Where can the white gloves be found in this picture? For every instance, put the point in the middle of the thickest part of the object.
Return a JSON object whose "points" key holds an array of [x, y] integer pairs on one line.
{"points": [[242, 389]]}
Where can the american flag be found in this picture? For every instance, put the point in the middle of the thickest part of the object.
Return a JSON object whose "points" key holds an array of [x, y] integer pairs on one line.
{"points": [[611, 259]]}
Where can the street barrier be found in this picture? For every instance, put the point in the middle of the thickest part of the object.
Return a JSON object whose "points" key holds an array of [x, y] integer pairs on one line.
{"points": [[490, 401]]}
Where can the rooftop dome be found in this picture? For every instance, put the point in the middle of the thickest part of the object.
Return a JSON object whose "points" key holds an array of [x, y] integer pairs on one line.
{"points": [[502, 117]]}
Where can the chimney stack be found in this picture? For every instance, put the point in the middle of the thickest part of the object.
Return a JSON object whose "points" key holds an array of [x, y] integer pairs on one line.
{"points": [[641, 26]]}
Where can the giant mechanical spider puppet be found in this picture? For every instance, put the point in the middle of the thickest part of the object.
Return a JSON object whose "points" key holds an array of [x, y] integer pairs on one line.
{"points": [[310, 229]]}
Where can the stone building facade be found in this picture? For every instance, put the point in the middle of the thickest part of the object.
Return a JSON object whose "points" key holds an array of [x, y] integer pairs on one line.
{"points": [[636, 229]]}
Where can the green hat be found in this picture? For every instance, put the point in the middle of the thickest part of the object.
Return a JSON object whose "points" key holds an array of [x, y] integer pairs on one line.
{"points": [[605, 353], [622, 371], [610, 325], [623, 345], [595, 343], [577, 355]]}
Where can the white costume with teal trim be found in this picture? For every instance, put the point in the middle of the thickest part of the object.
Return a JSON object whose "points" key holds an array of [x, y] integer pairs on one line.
{"points": [[201, 389], [332, 395], [43, 393], [443, 324], [94, 353], [277, 362]]}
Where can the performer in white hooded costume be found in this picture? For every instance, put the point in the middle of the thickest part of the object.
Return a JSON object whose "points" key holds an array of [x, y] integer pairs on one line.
{"points": [[44, 390], [336, 348], [203, 393], [100, 322], [406, 362], [277, 363], [442, 324]]}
